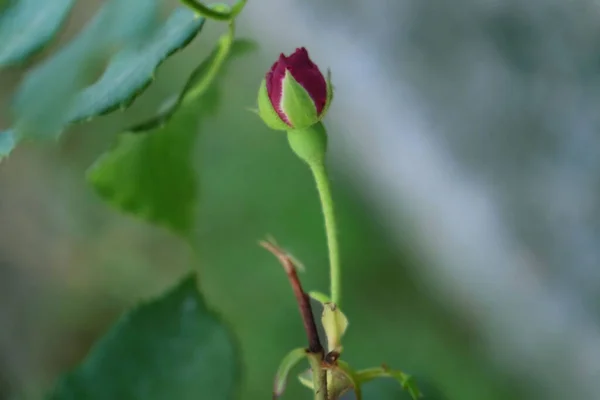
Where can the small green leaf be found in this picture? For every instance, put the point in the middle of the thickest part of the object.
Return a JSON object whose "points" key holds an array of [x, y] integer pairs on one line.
{"points": [[150, 172], [169, 348], [411, 387], [320, 297], [131, 70], [335, 324], [27, 25], [288, 362], [405, 380]]}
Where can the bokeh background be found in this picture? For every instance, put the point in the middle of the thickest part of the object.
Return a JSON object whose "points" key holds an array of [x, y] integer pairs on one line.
{"points": [[464, 152]]}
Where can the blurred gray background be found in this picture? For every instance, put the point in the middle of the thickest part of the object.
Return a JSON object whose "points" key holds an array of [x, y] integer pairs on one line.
{"points": [[465, 154]]}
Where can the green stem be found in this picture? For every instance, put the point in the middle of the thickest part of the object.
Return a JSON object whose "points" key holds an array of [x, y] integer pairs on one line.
{"points": [[219, 12], [210, 70], [319, 376], [324, 188], [310, 144]]}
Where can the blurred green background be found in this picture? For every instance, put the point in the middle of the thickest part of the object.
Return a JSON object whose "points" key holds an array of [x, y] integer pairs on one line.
{"points": [[70, 264]]}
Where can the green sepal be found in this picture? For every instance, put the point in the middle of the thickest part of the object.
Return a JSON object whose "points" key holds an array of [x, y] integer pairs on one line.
{"points": [[296, 104], [266, 111], [288, 362], [310, 144], [329, 95]]}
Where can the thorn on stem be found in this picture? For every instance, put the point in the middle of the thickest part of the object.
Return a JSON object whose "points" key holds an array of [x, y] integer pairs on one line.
{"points": [[308, 319]]}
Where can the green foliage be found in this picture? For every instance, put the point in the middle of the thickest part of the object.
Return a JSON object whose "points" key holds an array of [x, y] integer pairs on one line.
{"points": [[27, 25], [151, 174], [170, 348], [126, 37], [150, 171], [131, 70], [43, 100]]}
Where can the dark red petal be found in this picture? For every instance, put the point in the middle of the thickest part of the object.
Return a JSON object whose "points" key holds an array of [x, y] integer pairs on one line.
{"points": [[304, 71], [308, 75], [274, 80], [272, 74], [300, 59]]}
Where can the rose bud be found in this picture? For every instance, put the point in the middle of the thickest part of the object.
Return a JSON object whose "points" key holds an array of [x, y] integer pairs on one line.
{"points": [[294, 94]]}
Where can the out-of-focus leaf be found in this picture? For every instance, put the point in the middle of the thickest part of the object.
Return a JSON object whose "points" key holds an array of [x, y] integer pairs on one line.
{"points": [[7, 143], [150, 172], [44, 98], [128, 73], [131, 70], [27, 25], [169, 348]]}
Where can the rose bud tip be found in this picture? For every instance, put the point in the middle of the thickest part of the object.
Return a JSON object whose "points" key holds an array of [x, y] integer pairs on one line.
{"points": [[294, 93]]}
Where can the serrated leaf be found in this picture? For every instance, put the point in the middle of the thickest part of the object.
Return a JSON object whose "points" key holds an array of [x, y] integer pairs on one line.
{"points": [[27, 25], [128, 73], [150, 172], [170, 348], [131, 70], [46, 94]]}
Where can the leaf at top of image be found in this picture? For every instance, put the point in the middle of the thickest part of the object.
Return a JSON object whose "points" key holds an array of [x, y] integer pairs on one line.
{"points": [[45, 95], [149, 172], [128, 73], [132, 69], [26, 26], [173, 347]]}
